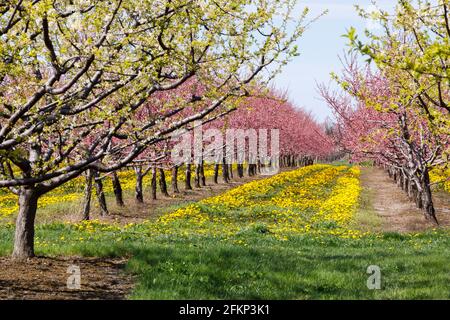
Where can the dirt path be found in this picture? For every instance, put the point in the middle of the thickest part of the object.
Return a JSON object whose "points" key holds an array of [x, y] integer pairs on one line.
{"points": [[46, 278], [392, 205]]}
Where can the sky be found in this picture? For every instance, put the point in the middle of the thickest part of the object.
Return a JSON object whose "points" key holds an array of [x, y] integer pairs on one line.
{"points": [[320, 48]]}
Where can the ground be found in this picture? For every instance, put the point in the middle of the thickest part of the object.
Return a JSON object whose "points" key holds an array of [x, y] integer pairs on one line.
{"points": [[252, 266], [45, 278], [391, 204]]}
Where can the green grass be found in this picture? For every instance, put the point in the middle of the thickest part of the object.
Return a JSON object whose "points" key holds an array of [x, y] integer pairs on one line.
{"points": [[297, 269], [254, 265], [366, 217]]}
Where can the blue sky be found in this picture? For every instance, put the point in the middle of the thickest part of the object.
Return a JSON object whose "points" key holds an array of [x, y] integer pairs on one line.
{"points": [[319, 50]]}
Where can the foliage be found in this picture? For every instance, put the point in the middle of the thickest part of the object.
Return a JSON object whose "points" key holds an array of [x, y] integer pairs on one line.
{"points": [[411, 51]]}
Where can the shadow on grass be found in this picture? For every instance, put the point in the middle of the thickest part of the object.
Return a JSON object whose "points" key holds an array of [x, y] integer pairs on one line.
{"points": [[258, 266]]}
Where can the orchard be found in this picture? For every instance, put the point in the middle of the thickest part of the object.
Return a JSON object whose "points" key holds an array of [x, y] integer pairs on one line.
{"points": [[156, 133]]}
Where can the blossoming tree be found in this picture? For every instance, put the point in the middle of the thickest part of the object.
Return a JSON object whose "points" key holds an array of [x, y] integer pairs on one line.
{"points": [[377, 122], [77, 71]]}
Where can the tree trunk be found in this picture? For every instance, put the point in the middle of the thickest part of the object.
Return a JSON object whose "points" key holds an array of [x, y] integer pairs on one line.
{"points": [[154, 183], [405, 183], [187, 182], [174, 181], [427, 199], [225, 175], [202, 174], [138, 194], [390, 173], [216, 173], [230, 171], [240, 170], [407, 187], [410, 189], [400, 180], [117, 188], [85, 213], [100, 194], [197, 176], [251, 169], [417, 197], [24, 234], [162, 182]]}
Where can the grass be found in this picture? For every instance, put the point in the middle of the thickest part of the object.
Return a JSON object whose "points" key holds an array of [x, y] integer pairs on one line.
{"points": [[366, 217], [297, 269], [256, 264]]}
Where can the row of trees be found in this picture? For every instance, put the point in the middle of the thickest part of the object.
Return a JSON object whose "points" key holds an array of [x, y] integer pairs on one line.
{"points": [[79, 80], [399, 114], [302, 141]]}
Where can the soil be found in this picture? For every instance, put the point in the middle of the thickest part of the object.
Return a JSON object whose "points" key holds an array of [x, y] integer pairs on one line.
{"points": [[398, 213], [46, 279]]}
